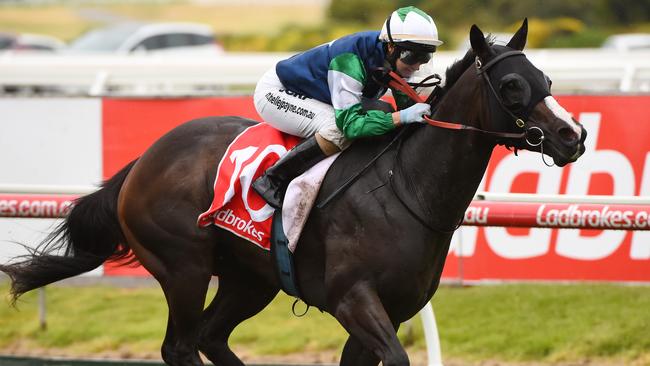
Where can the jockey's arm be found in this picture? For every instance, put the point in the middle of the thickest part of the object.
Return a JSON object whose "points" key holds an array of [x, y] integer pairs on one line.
{"points": [[355, 123], [346, 79]]}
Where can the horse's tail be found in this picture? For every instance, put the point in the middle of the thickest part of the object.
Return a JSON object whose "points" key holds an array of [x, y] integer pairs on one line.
{"points": [[88, 236]]}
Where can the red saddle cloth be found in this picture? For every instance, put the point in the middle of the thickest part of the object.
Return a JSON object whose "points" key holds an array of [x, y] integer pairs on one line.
{"points": [[236, 207]]}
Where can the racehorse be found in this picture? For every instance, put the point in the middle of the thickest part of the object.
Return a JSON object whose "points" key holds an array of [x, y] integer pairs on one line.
{"points": [[372, 257]]}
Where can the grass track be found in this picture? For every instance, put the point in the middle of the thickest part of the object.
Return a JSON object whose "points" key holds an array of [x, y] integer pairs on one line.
{"points": [[508, 323]]}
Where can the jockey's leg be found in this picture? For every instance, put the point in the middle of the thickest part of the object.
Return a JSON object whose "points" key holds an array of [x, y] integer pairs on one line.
{"points": [[273, 184], [327, 147], [297, 115]]}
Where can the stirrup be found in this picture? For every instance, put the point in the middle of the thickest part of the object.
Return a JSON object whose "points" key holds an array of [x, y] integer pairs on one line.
{"points": [[272, 185], [269, 191]]}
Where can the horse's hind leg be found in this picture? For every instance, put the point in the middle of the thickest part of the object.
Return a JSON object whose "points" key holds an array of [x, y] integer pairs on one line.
{"points": [[240, 295], [362, 314], [183, 270], [185, 294]]}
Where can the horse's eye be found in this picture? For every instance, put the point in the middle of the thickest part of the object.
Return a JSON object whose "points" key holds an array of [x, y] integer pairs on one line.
{"points": [[515, 91], [511, 84]]}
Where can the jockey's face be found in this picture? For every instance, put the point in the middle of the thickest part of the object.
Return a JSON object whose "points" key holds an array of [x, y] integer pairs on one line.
{"points": [[405, 70], [408, 62]]}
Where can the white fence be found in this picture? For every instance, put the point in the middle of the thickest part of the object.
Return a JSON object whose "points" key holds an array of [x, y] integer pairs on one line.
{"points": [[572, 71], [137, 75]]}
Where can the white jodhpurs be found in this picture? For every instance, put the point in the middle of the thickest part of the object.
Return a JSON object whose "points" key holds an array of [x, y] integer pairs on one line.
{"points": [[294, 113]]}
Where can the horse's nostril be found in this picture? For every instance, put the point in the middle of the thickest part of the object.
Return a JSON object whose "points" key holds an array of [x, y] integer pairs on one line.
{"points": [[568, 135]]}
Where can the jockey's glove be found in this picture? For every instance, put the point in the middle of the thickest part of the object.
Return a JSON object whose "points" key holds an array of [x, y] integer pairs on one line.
{"points": [[414, 113]]}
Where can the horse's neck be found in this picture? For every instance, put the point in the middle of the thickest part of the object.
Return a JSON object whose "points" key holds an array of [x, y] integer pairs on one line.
{"points": [[441, 169]]}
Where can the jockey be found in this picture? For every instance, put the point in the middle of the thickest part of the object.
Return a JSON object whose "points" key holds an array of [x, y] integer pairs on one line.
{"points": [[318, 94]]}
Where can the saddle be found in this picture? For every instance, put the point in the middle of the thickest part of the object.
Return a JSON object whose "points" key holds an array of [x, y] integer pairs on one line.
{"points": [[236, 207]]}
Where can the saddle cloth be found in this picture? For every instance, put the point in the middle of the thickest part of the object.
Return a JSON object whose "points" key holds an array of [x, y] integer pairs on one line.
{"points": [[237, 208]]}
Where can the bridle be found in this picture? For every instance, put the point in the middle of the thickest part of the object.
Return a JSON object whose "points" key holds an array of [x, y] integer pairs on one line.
{"points": [[398, 83], [482, 71]]}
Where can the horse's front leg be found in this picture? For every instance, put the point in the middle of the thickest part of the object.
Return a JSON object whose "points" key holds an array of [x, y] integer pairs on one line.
{"points": [[372, 333], [355, 353]]}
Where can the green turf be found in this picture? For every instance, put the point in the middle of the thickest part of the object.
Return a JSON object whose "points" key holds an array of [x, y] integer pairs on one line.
{"points": [[546, 322], [511, 323]]}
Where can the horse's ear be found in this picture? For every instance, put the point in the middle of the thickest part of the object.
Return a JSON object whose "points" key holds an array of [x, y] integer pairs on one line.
{"points": [[478, 42], [518, 41]]}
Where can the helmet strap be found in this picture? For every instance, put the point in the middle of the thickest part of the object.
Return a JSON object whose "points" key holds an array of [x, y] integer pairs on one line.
{"points": [[391, 57], [390, 36]]}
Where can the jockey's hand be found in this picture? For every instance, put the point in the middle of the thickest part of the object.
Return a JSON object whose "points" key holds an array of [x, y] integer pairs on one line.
{"points": [[414, 113]]}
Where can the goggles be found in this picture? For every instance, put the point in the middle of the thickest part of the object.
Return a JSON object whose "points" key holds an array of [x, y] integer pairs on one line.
{"points": [[411, 57]]}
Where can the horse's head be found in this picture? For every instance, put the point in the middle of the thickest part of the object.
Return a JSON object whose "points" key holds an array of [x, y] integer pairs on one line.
{"points": [[520, 100]]}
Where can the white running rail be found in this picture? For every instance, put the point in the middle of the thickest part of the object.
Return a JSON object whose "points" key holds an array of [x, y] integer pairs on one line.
{"points": [[45, 189], [549, 198], [572, 70]]}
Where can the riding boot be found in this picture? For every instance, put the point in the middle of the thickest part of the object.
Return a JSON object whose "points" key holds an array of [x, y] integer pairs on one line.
{"points": [[273, 184]]}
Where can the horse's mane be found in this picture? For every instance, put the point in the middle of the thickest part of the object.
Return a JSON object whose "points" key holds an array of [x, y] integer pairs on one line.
{"points": [[457, 69]]}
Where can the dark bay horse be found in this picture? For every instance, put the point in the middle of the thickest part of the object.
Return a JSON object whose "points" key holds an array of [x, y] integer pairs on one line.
{"points": [[372, 257]]}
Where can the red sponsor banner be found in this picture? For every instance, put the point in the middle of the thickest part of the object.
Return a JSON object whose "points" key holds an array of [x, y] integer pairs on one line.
{"points": [[35, 205], [130, 126], [616, 163]]}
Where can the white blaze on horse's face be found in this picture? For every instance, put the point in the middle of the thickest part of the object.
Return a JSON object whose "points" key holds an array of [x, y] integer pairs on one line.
{"points": [[562, 114]]}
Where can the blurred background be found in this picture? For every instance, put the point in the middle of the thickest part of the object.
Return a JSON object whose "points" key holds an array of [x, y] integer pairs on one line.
{"points": [[285, 25], [218, 47], [86, 86]]}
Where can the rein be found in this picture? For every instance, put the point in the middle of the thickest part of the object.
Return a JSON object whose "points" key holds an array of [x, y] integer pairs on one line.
{"points": [[397, 83]]}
